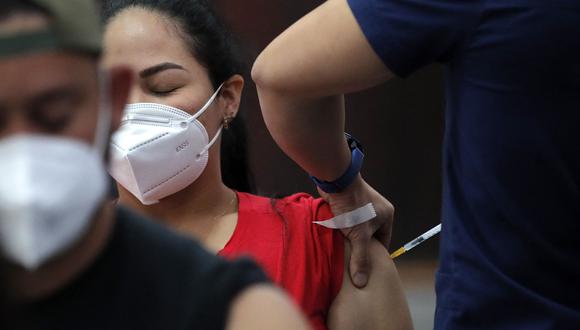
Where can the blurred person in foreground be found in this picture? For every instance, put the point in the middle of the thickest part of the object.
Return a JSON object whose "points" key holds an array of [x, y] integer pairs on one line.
{"points": [[511, 194], [70, 259]]}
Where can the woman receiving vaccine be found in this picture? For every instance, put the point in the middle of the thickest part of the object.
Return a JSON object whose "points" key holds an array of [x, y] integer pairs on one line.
{"points": [[167, 162]]}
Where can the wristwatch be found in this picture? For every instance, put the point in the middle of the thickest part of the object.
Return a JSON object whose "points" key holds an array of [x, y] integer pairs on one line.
{"points": [[352, 171]]}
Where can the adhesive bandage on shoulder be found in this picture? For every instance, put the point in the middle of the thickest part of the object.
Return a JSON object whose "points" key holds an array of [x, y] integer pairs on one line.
{"points": [[350, 219]]}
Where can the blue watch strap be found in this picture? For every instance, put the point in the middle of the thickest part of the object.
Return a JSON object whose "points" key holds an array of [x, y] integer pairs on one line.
{"points": [[348, 177]]}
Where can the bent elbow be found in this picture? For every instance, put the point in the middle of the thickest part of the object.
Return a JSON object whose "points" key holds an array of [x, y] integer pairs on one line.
{"points": [[262, 77], [272, 72]]}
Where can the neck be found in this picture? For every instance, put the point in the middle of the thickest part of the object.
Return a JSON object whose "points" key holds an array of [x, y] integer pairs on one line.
{"points": [[25, 286], [195, 209]]}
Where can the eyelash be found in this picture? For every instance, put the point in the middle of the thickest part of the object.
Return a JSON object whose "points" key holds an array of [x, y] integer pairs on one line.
{"points": [[164, 93]]}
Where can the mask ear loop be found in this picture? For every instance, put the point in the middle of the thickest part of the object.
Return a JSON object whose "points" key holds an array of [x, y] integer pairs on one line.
{"points": [[211, 143], [200, 112], [206, 105], [105, 115]]}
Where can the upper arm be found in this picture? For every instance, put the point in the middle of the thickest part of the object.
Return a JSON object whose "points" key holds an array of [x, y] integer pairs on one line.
{"points": [[264, 307], [349, 45], [324, 53], [379, 305]]}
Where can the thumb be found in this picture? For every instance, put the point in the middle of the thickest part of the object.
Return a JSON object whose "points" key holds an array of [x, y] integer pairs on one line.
{"points": [[360, 266]]}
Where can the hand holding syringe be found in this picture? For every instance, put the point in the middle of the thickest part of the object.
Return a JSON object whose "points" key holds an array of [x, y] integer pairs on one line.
{"points": [[433, 231]]}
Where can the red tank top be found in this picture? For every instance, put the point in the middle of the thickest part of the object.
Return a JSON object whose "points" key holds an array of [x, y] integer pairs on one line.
{"points": [[303, 258]]}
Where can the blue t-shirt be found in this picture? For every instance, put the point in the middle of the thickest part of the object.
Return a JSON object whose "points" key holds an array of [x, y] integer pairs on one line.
{"points": [[510, 252]]}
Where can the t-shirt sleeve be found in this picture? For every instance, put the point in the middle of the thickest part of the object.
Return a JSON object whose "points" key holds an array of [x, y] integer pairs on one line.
{"points": [[333, 245], [223, 283], [319, 250], [409, 34]]}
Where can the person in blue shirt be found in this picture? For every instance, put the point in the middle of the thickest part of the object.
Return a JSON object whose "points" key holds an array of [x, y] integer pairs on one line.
{"points": [[511, 195]]}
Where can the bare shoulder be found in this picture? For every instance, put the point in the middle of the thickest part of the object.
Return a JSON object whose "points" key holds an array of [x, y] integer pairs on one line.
{"points": [[380, 305]]}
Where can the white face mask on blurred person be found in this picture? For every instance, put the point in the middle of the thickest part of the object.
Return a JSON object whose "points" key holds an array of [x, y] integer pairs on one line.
{"points": [[159, 150], [50, 190]]}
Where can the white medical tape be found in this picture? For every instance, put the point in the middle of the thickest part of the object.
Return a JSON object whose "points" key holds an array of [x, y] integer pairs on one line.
{"points": [[350, 219]]}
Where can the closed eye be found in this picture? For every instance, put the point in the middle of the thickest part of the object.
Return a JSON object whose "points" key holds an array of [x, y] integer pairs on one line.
{"points": [[54, 110], [163, 92]]}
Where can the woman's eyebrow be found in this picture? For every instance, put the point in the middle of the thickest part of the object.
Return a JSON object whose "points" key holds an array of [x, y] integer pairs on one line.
{"points": [[158, 68]]}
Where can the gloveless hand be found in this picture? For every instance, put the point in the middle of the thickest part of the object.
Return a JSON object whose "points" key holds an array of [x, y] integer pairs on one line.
{"points": [[358, 194]]}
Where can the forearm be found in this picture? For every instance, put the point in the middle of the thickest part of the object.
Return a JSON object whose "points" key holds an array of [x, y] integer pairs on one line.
{"points": [[301, 77], [311, 132]]}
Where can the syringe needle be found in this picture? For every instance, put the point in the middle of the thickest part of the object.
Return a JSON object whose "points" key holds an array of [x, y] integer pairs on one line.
{"points": [[428, 234]]}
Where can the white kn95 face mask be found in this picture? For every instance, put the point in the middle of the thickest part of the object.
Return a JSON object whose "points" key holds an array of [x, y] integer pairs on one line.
{"points": [[50, 190], [159, 150]]}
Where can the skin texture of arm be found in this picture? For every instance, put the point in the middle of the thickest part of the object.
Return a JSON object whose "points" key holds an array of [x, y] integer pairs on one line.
{"points": [[263, 307], [380, 305], [301, 78]]}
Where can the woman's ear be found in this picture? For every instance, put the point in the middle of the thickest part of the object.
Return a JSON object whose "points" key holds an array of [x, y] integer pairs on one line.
{"points": [[231, 95], [120, 86]]}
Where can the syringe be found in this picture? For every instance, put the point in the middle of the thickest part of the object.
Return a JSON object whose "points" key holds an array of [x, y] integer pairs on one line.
{"points": [[433, 231]]}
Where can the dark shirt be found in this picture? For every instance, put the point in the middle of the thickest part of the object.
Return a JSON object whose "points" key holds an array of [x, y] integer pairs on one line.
{"points": [[510, 257], [146, 278]]}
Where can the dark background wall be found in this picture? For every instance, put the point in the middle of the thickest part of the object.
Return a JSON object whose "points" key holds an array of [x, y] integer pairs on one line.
{"points": [[399, 123]]}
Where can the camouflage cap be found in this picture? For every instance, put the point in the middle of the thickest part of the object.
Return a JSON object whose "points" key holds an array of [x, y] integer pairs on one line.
{"points": [[74, 25]]}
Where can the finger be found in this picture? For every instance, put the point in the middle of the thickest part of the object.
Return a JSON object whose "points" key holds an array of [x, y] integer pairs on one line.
{"points": [[385, 229], [360, 266], [383, 235]]}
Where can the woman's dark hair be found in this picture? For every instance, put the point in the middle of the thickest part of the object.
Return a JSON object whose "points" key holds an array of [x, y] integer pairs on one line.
{"points": [[214, 48]]}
